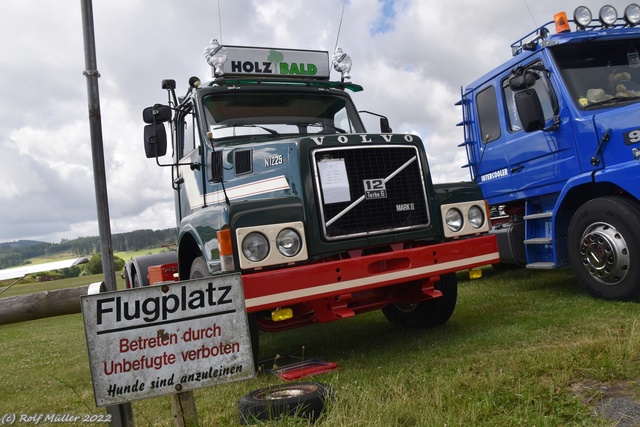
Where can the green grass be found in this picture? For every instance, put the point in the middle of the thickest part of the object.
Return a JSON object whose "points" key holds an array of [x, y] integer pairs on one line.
{"points": [[514, 352]]}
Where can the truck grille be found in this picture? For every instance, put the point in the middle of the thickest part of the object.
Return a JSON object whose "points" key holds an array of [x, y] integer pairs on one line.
{"points": [[369, 190]]}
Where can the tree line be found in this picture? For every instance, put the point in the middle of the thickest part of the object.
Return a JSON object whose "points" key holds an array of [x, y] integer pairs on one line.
{"points": [[13, 254]]}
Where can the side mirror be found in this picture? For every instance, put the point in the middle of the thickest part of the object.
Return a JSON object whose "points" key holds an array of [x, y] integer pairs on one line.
{"points": [[157, 114], [530, 110], [155, 140], [522, 81], [384, 125]]}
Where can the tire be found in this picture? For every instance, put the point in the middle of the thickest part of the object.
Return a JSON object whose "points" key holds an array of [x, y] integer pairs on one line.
{"points": [[199, 270], [604, 248], [429, 313], [299, 400], [136, 281]]}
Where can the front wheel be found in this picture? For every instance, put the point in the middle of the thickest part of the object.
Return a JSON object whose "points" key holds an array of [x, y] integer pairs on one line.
{"points": [[604, 248], [429, 313], [199, 270]]}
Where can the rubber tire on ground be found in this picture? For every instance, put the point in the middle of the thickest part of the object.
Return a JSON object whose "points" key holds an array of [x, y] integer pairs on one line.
{"points": [[429, 313], [618, 219], [199, 270], [299, 400]]}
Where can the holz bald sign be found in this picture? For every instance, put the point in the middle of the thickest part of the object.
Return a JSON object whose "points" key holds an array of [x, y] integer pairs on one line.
{"points": [[164, 339]]}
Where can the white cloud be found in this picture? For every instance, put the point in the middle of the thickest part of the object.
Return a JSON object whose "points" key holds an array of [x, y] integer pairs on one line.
{"points": [[412, 57]]}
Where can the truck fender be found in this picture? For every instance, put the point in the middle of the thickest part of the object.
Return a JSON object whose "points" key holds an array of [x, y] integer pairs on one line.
{"points": [[138, 267]]}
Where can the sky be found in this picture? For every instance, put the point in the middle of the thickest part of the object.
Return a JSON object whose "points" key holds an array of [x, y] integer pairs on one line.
{"points": [[411, 56]]}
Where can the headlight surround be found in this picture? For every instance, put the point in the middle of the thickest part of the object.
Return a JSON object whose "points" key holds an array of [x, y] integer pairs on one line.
{"points": [[454, 219], [476, 216], [261, 246], [461, 219], [288, 242], [255, 246]]}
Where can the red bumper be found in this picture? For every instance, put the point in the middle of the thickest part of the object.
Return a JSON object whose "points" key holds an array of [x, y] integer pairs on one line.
{"points": [[294, 285]]}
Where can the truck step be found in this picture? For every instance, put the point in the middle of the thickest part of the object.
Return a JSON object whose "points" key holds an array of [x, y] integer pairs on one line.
{"points": [[539, 215], [542, 265], [538, 241]]}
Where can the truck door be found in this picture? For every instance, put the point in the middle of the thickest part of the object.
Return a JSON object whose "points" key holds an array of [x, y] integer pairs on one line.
{"points": [[188, 181], [541, 161], [491, 165], [514, 161]]}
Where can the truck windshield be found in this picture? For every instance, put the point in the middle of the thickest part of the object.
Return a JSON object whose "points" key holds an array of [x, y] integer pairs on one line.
{"points": [[600, 74], [236, 114]]}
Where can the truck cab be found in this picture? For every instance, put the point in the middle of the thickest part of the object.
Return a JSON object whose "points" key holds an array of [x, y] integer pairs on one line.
{"points": [[552, 138], [275, 176]]}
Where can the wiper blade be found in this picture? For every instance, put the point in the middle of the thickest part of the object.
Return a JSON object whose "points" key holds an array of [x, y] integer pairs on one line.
{"points": [[614, 100], [239, 125]]}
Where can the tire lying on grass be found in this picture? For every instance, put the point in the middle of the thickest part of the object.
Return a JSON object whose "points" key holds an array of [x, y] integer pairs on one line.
{"points": [[299, 400]]}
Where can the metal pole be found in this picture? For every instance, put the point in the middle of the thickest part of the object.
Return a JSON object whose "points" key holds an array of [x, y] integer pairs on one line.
{"points": [[121, 415]]}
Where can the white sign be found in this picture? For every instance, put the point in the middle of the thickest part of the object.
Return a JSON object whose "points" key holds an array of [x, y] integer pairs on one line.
{"points": [[166, 339], [276, 62], [334, 181]]}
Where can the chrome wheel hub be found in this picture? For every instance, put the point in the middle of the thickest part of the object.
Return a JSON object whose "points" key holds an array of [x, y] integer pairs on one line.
{"points": [[604, 253]]}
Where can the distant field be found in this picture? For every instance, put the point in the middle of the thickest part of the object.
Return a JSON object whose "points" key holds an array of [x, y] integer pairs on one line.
{"points": [[522, 348], [29, 285], [66, 255]]}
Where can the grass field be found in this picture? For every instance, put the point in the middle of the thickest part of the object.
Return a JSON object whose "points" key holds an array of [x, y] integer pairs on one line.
{"points": [[522, 348]]}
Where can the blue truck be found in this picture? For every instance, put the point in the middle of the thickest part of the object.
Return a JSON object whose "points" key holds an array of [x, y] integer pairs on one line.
{"points": [[553, 139]]}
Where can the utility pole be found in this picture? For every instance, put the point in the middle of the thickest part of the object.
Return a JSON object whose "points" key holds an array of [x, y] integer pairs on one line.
{"points": [[121, 415]]}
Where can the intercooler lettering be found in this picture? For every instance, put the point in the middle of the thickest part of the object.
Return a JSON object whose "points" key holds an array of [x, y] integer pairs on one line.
{"points": [[493, 175]]}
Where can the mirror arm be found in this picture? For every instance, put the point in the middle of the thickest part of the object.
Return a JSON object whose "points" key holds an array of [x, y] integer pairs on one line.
{"points": [[554, 126]]}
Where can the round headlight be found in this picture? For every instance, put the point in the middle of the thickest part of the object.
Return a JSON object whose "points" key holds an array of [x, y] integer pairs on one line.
{"points": [[476, 217], [632, 14], [255, 247], [582, 16], [454, 220], [608, 15], [288, 242]]}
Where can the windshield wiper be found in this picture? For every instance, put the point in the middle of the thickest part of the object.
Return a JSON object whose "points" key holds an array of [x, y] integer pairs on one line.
{"points": [[234, 125], [614, 100]]}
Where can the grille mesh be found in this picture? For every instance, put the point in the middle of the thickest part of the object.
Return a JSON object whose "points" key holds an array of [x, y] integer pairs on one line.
{"points": [[404, 206]]}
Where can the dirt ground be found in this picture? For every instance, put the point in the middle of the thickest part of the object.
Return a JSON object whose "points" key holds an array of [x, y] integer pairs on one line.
{"points": [[618, 402]]}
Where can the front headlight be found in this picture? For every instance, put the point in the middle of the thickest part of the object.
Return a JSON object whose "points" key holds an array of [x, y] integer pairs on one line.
{"points": [[255, 247], [476, 216], [288, 242], [454, 219]]}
